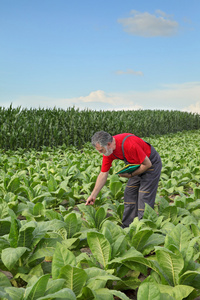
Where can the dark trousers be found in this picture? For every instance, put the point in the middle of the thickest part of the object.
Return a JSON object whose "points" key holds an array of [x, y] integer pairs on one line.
{"points": [[141, 189]]}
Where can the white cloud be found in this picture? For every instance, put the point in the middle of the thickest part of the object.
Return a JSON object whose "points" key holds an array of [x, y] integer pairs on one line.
{"points": [[171, 97], [97, 96], [185, 96], [162, 13], [113, 101], [193, 108], [149, 25], [129, 72]]}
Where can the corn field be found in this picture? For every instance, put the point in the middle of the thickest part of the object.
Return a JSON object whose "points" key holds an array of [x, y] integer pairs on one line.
{"points": [[36, 128]]}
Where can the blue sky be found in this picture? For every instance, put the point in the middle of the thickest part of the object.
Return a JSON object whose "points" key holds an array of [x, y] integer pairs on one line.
{"points": [[101, 55]]}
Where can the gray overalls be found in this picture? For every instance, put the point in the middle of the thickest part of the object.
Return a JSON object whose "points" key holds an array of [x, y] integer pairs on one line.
{"points": [[141, 189]]}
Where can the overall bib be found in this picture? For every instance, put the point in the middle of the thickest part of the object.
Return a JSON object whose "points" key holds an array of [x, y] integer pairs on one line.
{"points": [[141, 189]]}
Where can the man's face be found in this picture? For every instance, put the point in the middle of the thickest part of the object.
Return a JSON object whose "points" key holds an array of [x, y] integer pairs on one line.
{"points": [[107, 150]]}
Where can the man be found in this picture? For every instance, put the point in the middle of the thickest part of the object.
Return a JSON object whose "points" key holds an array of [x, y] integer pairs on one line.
{"points": [[142, 183]]}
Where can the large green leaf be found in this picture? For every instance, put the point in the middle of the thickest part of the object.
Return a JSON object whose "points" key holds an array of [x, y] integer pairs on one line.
{"points": [[3, 244], [106, 232], [196, 213], [197, 192], [134, 260], [97, 274], [116, 189], [41, 253], [96, 284], [52, 215], [100, 216], [87, 293], [114, 229], [119, 246], [4, 227], [65, 294], [100, 247], [26, 236], [189, 220], [4, 208], [33, 275], [170, 262], [88, 213], [151, 291], [191, 278], [54, 286], [4, 281], [170, 212], [71, 224], [127, 282], [178, 292], [75, 278], [14, 233], [103, 294], [155, 239], [118, 294], [136, 264], [150, 214], [4, 295], [38, 209], [10, 256], [38, 289], [140, 238], [148, 291], [27, 192], [41, 196], [180, 237], [39, 234], [195, 230], [15, 293], [120, 211], [13, 185], [52, 184], [62, 257], [107, 294]]}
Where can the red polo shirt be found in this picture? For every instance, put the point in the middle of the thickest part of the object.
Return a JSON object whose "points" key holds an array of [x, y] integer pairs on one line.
{"points": [[135, 150]]}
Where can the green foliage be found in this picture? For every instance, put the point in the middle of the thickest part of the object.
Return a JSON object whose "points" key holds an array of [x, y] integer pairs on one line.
{"points": [[151, 291], [38, 128], [11, 256], [53, 246], [100, 247]]}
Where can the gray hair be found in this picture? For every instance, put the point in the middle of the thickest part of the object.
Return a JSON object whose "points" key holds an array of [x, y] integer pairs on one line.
{"points": [[102, 138]]}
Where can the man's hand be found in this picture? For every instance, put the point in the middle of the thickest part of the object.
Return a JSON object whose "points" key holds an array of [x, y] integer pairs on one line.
{"points": [[90, 200], [101, 180], [145, 165]]}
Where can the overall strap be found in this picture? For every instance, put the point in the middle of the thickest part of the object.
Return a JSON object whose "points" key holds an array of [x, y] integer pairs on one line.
{"points": [[125, 160]]}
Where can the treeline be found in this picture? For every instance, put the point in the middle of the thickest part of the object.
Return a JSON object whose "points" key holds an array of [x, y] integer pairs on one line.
{"points": [[35, 128]]}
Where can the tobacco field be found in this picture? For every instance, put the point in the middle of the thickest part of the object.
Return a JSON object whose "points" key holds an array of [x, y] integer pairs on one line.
{"points": [[52, 246]]}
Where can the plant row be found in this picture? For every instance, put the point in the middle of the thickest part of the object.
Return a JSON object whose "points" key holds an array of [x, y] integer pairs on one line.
{"points": [[52, 246], [35, 128]]}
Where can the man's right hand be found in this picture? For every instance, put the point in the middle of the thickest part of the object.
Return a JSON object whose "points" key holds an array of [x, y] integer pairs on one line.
{"points": [[100, 182], [90, 200]]}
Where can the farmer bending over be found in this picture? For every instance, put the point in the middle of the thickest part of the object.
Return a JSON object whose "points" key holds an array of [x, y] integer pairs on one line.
{"points": [[142, 183]]}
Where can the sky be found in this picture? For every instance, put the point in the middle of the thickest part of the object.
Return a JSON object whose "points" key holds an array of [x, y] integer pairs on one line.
{"points": [[100, 54]]}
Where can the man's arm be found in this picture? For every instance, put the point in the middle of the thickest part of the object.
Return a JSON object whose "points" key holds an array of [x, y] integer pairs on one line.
{"points": [[100, 182], [145, 165]]}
